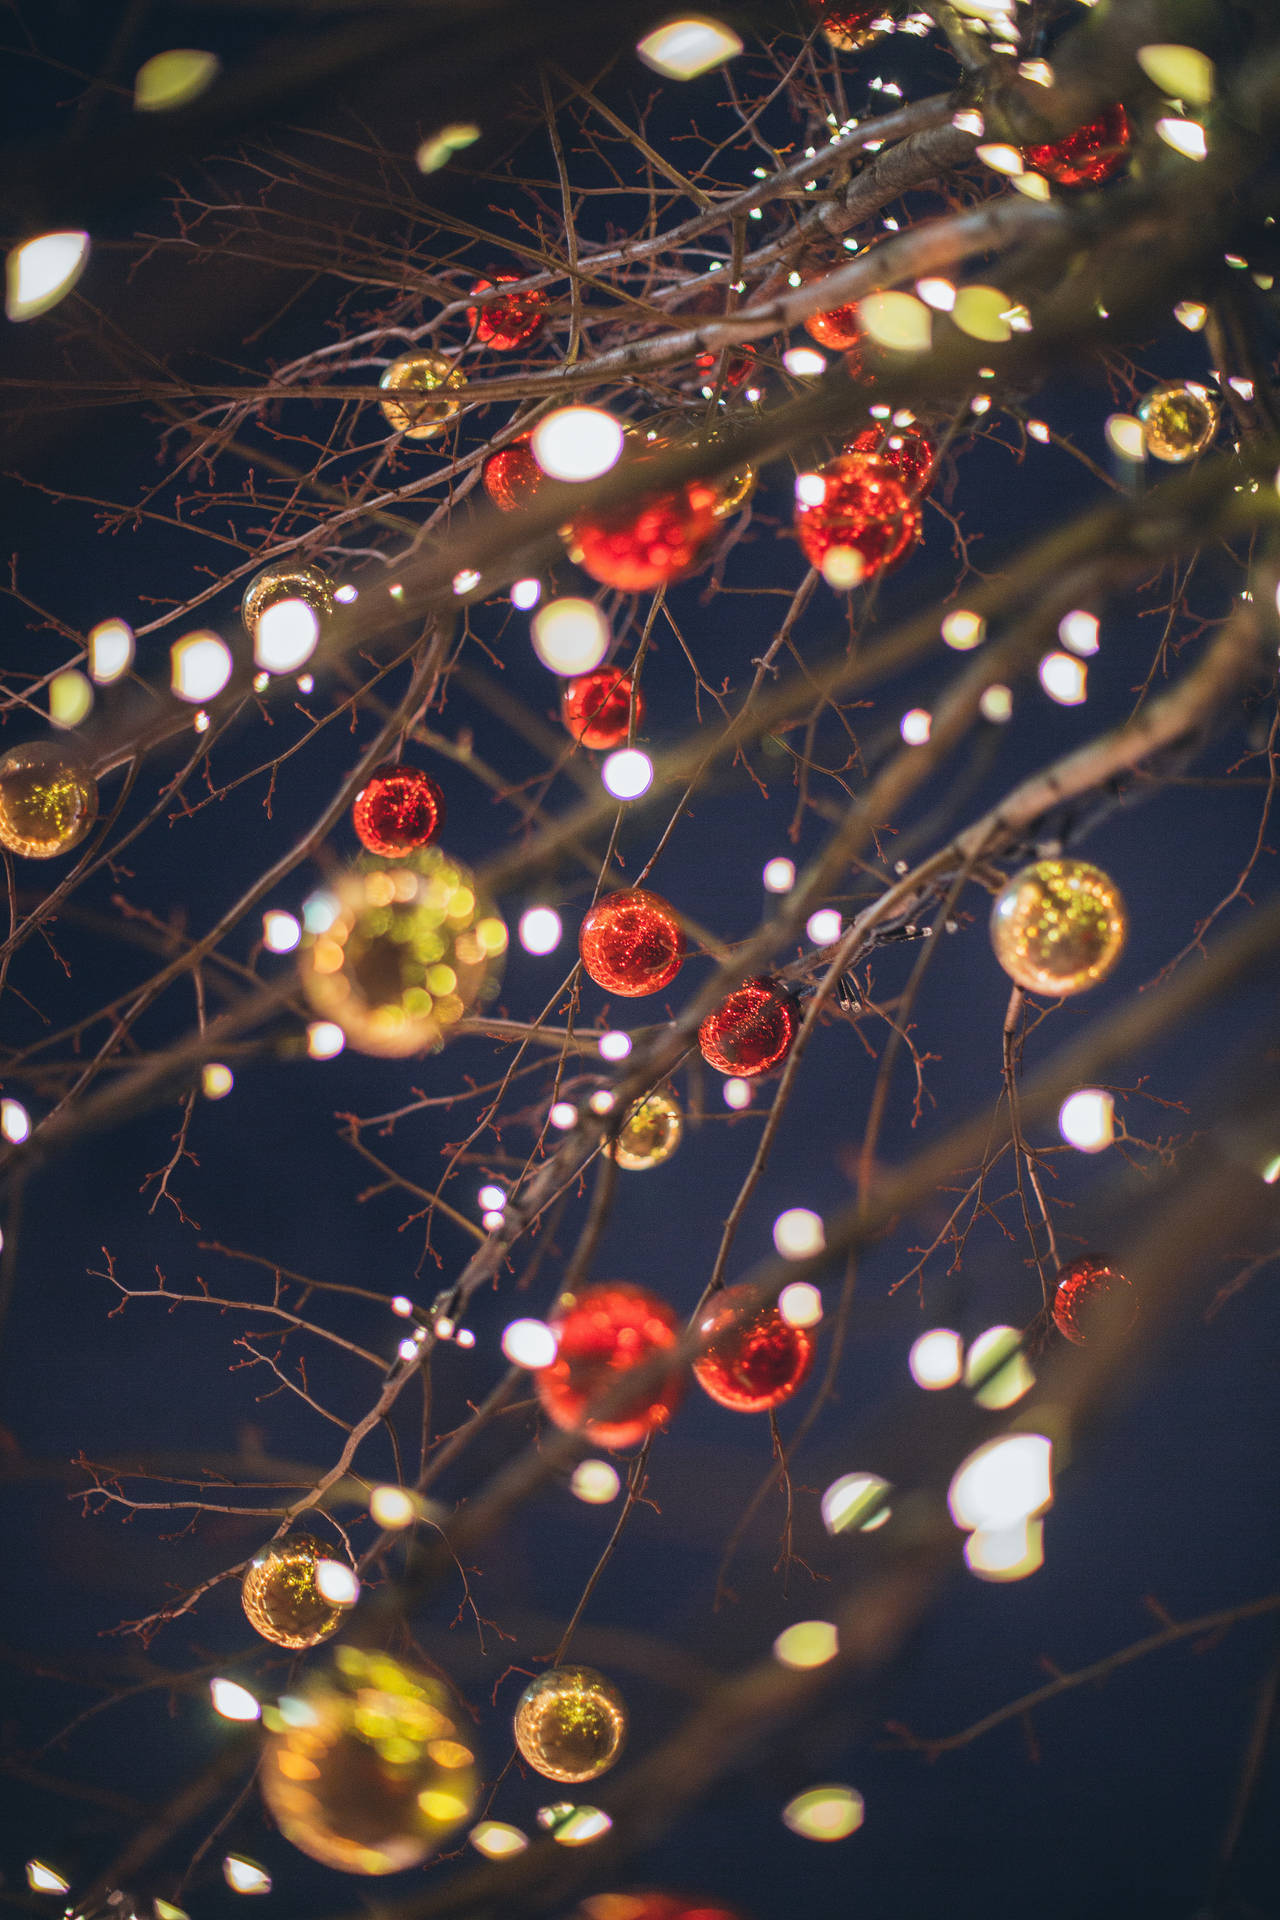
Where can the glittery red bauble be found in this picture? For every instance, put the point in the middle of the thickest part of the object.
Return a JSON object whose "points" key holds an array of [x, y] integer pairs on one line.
{"points": [[508, 323], [398, 809], [632, 943], [752, 1031], [908, 450], [596, 707], [1090, 155], [1092, 1294], [848, 26], [738, 366], [646, 544], [512, 476], [839, 329], [867, 509], [754, 1364], [601, 1332]]}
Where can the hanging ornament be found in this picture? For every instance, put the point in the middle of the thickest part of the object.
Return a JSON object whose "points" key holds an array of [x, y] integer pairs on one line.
{"points": [[732, 490], [507, 323], [397, 954], [430, 375], [1058, 926], [632, 943], [1087, 157], [650, 1133], [838, 327], [601, 1332], [286, 580], [848, 27], [752, 1031], [48, 800], [369, 1766], [908, 450], [596, 707], [512, 476], [570, 1724], [397, 809], [1179, 420], [1091, 1295], [281, 1597], [739, 366], [866, 521], [751, 1365], [647, 543]]}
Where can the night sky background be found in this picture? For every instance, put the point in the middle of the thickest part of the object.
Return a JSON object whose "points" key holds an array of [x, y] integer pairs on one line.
{"points": [[1119, 1808]]}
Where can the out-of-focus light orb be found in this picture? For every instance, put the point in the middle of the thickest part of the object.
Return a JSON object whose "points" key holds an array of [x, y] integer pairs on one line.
{"points": [[603, 1100], [1126, 438], [1058, 926], [1078, 632], [595, 1483], [394, 1508], [937, 293], [426, 389], [216, 1081], [199, 666], [45, 1879], [539, 930], [738, 1094], [346, 595], [577, 443], [1191, 314], [492, 1198], [1186, 137], [170, 79], [563, 1115], [243, 1875], [111, 649], [285, 636], [809, 1643], [496, 1840], [570, 1724], [856, 1502], [70, 698], [48, 799], [1065, 679], [437, 151], [281, 1593], [1179, 421], [824, 927], [811, 489], [916, 726], [570, 636], [1086, 1119], [525, 594], [997, 1370], [963, 630], [650, 1133], [40, 272], [572, 1826], [627, 774], [302, 589], [325, 1039], [1183, 73], [825, 1813], [804, 362], [614, 1045], [690, 44], [529, 1343], [1002, 1483], [337, 1583], [281, 932], [798, 1233], [233, 1701], [800, 1304], [996, 704], [779, 874], [936, 1359], [15, 1121], [1006, 1553]]}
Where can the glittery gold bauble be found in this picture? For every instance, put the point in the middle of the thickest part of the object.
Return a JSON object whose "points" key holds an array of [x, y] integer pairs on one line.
{"points": [[733, 491], [1179, 421], [650, 1133], [421, 373], [570, 1724], [1058, 926], [396, 952], [286, 580], [280, 1594], [48, 800], [369, 1767]]}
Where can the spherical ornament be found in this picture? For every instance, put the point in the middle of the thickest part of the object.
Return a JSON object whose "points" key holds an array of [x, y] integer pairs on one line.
{"points": [[48, 800], [512, 476], [752, 1031], [1090, 1295], [369, 1766], [424, 374], [650, 1133], [739, 366], [632, 943], [867, 520], [601, 1332], [570, 1724], [1058, 926], [280, 1594], [1087, 157], [286, 580], [836, 327], [908, 450], [645, 544], [395, 955], [596, 707], [509, 322], [752, 1364], [397, 809], [1178, 421], [848, 27]]}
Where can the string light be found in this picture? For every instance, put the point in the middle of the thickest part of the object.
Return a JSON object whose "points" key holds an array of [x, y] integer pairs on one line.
{"points": [[627, 774], [570, 636], [779, 874], [539, 930], [809, 1643], [233, 1701], [577, 443], [682, 49], [936, 1359], [281, 932], [800, 1304], [43, 271], [111, 649], [595, 1483], [199, 666], [529, 1343], [798, 1233]]}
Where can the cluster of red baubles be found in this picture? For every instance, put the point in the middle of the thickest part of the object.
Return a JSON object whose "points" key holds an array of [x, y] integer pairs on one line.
{"points": [[1092, 1296], [506, 323], [908, 450], [647, 543], [868, 512], [737, 368], [1085, 158], [632, 943], [596, 707], [397, 810]]}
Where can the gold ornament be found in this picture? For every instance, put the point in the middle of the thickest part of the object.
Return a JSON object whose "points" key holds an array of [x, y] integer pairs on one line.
{"points": [[1179, 420], [570, 1724], [1058, 926], [650, 1133], [286, 580], [48, 800], [280, 1594], [399, 950], [369, 1767], [734, 490], [420, 372]]}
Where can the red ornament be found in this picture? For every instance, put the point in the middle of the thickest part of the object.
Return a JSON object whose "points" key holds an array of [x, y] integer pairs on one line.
{"points": [[847, 26], [867, 510], [397, 810], [652, 1906], [1087, 157], [646, 544], [908, 450], [840, 329], [1090, 1294], [739, 365], [752, 1031], [602, 1331], [596, 707], [512, 476], [632, 943], [750, 1365], [505, 324]]}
